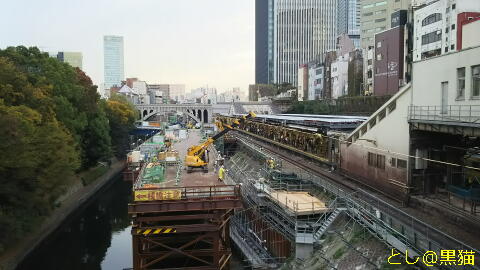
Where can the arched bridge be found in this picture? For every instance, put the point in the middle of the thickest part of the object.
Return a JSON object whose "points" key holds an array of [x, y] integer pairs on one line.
{"points": [[202, 113]]}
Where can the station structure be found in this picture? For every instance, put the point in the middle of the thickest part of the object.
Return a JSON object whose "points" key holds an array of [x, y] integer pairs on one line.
{"points": [[284, 189]]}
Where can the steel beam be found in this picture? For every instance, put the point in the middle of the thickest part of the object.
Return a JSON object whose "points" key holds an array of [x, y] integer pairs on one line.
{"points": [[184, 205]]}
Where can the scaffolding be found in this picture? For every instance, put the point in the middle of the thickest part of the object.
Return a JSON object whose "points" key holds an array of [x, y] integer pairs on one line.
{"points": [[278, 200], [386, 222]]}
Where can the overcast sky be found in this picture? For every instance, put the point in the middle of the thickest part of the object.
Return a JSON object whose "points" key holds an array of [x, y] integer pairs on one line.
{"points": [[195, 42]]}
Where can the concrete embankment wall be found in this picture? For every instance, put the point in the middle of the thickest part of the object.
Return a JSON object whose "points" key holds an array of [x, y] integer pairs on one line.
{"points": [[22, 249]]}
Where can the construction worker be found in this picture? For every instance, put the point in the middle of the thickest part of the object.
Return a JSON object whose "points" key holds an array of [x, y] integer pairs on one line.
{"points": [[221, 174]]}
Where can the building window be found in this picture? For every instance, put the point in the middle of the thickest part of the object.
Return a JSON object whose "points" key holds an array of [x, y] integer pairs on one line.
{"points": [[377, 161], [379, 57], [447, 30], [447, 10], [431, 37], [460, 82], [379, 44], [452, 47], [446, 49], [373, 122], [372, 159], [392, 107], [401, 164], [380, 20], [476, 81], [435, 17], [381, 3], [393, 162], [454, 6], [380, 162], [453, 26]]}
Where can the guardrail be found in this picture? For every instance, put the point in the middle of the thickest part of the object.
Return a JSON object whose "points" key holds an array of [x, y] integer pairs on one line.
{"points": [[186, 193], [451, 113]]}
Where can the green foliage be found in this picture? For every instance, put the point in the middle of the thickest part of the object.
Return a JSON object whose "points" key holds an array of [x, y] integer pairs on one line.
{"points": [[359, 105], [121, 115], [339, 253], [67, 95], [53, 124]]}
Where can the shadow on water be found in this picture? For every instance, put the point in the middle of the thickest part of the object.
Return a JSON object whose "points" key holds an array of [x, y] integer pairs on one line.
{"points": [[97, 236]]}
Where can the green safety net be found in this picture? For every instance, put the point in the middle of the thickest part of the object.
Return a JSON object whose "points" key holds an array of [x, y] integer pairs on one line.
{"points": [[155, 174]]}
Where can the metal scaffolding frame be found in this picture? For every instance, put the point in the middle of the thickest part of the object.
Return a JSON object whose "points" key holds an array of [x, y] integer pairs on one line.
{"points": [[389, 224]]}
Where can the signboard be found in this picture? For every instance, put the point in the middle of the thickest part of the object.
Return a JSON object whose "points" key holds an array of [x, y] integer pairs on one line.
{"points": [[157, 195]]}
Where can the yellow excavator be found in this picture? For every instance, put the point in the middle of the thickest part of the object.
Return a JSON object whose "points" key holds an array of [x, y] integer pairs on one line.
{"points": [[196, 155]]}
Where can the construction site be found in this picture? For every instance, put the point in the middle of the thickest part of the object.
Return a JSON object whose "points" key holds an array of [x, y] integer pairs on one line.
{"points": [[282, 200]]}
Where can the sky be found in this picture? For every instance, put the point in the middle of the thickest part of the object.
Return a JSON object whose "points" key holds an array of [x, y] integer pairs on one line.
{"points": [[194, 42]]}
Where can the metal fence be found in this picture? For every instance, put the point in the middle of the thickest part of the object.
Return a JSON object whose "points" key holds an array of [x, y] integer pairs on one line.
{"points": [[451, 113]]}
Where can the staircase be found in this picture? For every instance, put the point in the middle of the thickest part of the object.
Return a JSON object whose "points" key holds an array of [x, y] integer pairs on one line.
{"points": [[327, 223]]}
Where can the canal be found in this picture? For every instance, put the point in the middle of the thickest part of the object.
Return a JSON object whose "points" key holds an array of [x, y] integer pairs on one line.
{"points": [[97, 236]]}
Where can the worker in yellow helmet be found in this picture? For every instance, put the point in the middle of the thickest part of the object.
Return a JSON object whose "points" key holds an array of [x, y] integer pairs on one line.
{"points": [[221, 173]]}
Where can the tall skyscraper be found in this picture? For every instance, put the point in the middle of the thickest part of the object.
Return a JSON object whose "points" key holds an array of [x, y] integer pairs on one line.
{"points": [[75, 59], [113, 61], [290, 33], [264, 41], [303, 31], [348, 20]]}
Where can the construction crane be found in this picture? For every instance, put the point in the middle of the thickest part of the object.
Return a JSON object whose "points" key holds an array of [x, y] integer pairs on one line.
{"points": [[196, 155]]}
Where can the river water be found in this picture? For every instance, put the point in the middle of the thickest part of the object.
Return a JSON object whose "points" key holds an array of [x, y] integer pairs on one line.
{"points": [[97, 236]]}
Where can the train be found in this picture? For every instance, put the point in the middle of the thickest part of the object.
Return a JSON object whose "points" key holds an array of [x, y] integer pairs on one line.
{"points": [[323, 138]]}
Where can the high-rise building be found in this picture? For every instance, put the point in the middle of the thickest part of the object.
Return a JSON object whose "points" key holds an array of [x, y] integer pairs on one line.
{"points": [[303, 31], [375, 17], [264, 41], [348, 20], [75, 59], [113, 61]]}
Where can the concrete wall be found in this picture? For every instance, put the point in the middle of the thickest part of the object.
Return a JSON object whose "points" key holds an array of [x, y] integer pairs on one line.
{"points": [[471, 34], [430, 73], [388, 137]]}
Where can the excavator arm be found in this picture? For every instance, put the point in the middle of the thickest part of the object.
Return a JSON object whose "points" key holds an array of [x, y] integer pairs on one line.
{"points": [[195, 154]]}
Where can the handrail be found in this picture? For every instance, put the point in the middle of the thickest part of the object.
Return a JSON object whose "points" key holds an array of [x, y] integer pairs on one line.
{"points": [[450, 113]]}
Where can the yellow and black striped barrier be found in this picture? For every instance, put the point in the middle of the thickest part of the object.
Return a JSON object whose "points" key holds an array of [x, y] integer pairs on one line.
{"points": [[155, 231]]}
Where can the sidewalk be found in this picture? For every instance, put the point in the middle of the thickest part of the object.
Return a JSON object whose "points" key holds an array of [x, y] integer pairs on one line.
{"points": [[19, 250]]}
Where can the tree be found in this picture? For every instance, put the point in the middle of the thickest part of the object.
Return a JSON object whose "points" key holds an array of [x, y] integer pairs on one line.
{"points": [[38, 158], [121, 115], [69, 96]]}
